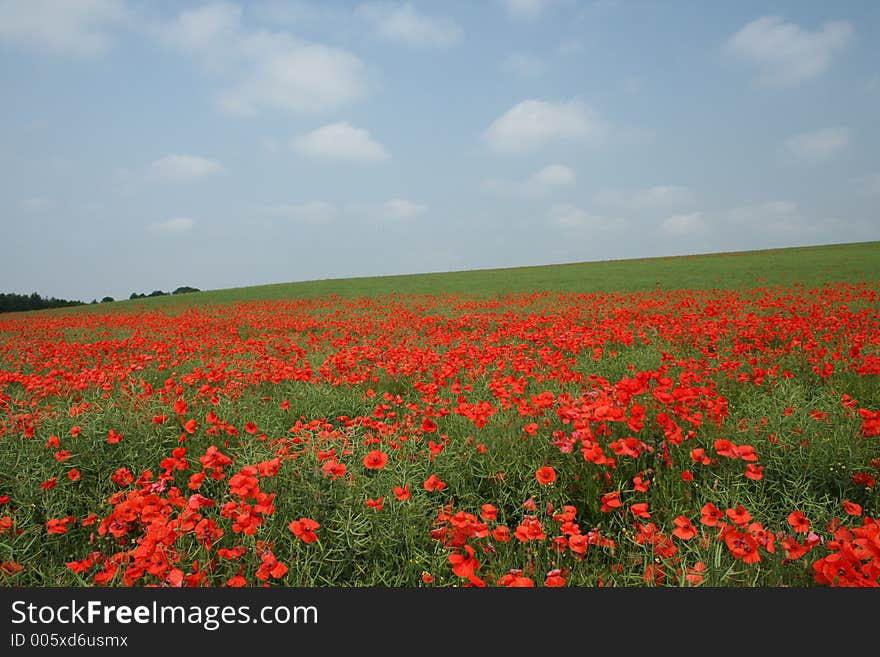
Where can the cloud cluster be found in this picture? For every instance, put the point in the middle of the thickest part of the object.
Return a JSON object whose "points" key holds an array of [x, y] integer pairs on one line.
{"points": [[61, 27], [786, 53], [819, 145], [264, 70], [532, 124], [340, 141], [401, 23]]}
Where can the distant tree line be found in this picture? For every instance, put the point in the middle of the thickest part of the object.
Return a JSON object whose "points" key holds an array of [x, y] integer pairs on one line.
{"points": [[159, 293], [10, 302]]}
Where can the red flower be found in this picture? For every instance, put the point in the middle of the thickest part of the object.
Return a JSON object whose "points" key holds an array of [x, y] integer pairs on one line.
{"points": [[852, 508], [555, 578], [683, 528], [739, 515], [402, 493], [464, 565], [799, 521], [304, 529], [73, 475], [488, 512], [376, 504], [334, 469], [501, 533], [695, 575], [755, 472], [711, 515], [433, 483], [375, 460], [611, 501], [545, 475]]}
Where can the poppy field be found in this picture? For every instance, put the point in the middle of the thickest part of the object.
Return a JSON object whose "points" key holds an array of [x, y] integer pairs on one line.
{"points": [[674, 436]]}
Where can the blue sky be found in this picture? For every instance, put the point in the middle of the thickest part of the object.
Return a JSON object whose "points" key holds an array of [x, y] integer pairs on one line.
{"points": [[148, 145]]}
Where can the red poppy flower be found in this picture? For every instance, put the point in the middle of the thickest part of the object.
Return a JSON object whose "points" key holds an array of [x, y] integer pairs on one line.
{"points": [[304, 529], [852, 508], [711, 515], [755, 472], [375, 460], [695, 575], [464, 565], [402, 492], [799, 521], [739, 515], [334, 469], [501, 533], [488, 512], [545, 475], [683, 528], [433, 483], [611, 501]]}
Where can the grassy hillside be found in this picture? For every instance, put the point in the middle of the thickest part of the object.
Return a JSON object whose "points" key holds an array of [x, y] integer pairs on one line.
{"points": [[811, 266]]}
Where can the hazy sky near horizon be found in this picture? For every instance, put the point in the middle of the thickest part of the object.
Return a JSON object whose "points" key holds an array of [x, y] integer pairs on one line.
{"points": [[149, 145]]}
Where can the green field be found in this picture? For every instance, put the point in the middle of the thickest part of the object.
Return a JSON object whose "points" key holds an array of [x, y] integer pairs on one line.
{"points": [[809, 266], [709, 420]]}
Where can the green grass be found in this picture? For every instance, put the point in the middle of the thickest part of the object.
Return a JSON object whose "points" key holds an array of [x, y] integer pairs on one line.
{"points": [[808, 265]]}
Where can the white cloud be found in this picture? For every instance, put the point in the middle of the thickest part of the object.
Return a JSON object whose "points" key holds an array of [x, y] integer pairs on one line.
{"points": [[403, 24], [524, 65], [648, 198], [820, 144], [61, 27], [265, 70], [204, 30], [314, 212], [785, 53], [526, 10], [684, 224], [175, 225], [183, 168], [400, 208], [340, 141], [538, 184], [36, 204], [532, 124], [570, 216]]}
